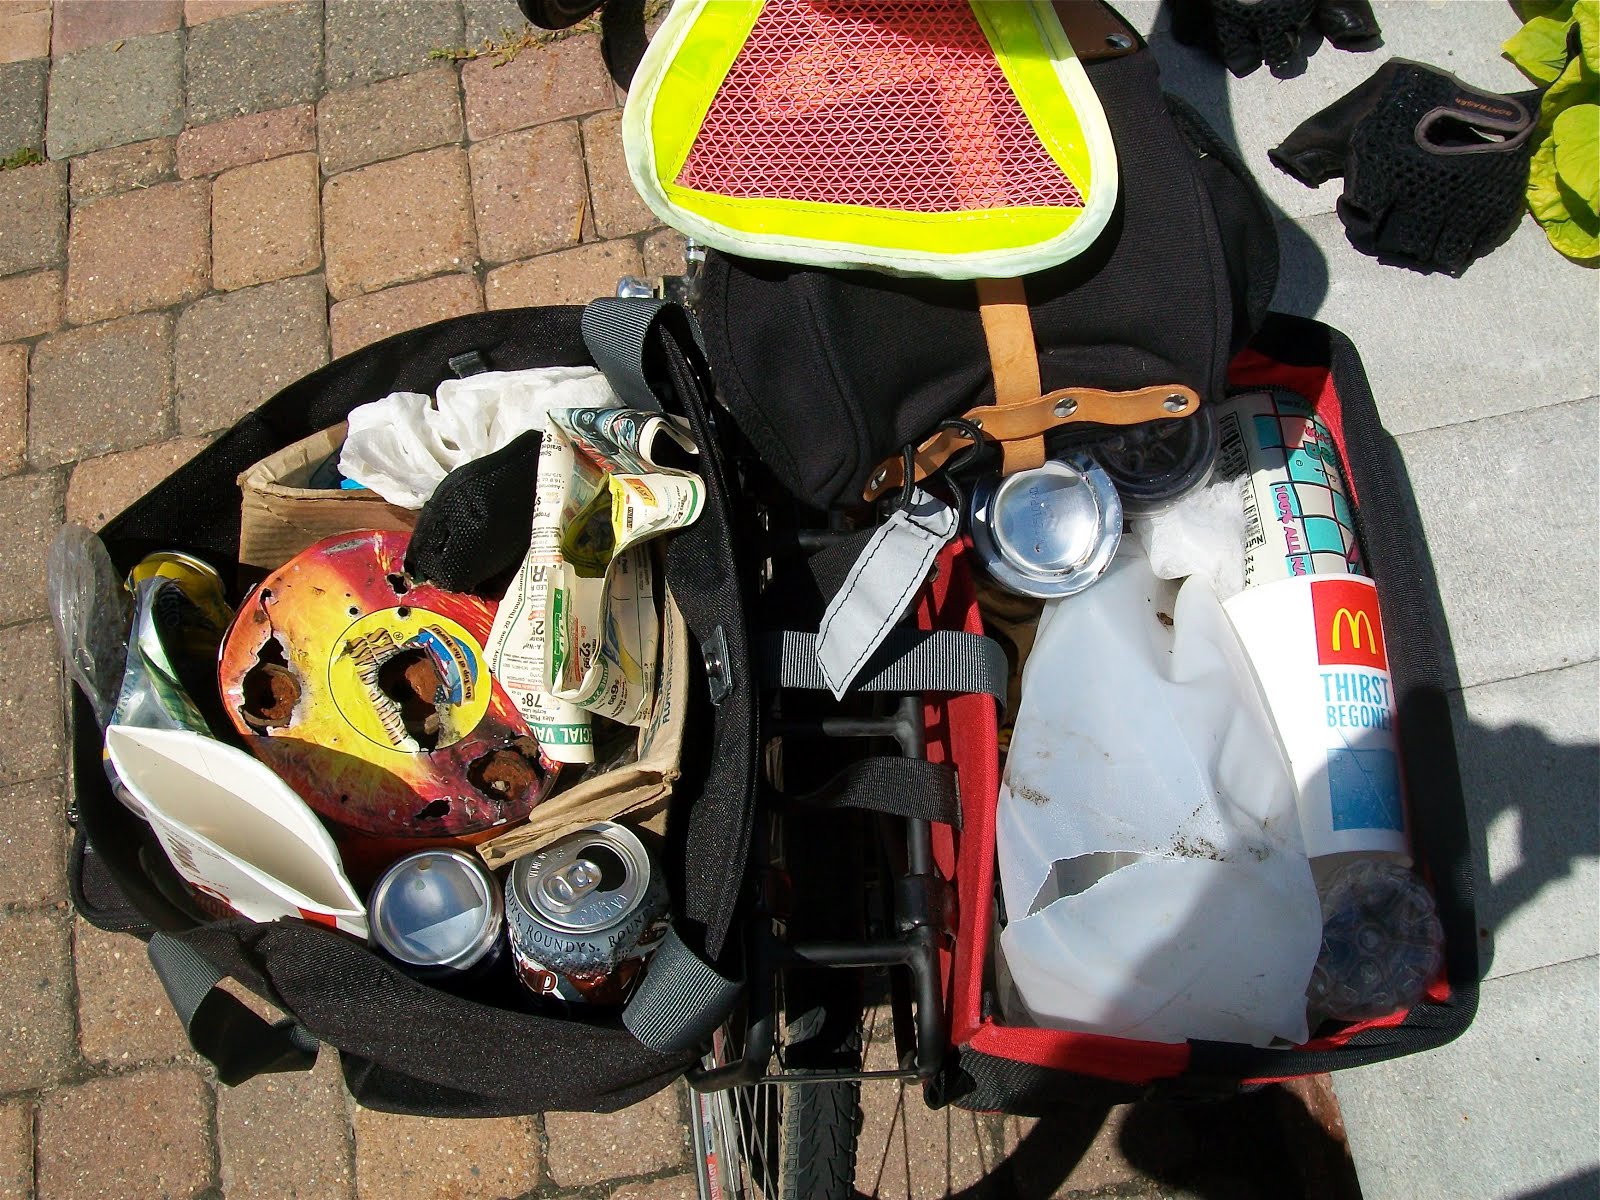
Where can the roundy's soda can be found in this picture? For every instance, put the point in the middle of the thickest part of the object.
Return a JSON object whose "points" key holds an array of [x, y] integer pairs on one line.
{"points": [[584, 913]]}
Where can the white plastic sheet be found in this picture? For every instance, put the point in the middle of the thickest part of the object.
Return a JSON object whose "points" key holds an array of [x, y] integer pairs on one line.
{"points": [[404, 445], [1150, 854]]}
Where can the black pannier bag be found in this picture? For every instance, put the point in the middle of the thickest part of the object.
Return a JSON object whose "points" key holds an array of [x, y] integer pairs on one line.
{"points": [[406, 1046]]}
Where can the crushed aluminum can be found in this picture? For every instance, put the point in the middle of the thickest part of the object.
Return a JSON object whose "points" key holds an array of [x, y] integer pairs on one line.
{"points": [[199, 581], [439, 913], [584, 913], [1050, 531]]}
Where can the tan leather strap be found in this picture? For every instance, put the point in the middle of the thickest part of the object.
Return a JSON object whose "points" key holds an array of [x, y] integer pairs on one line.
{"points": [[1014, 362], [1014, 423], [1020, 417], [1008, 328]]}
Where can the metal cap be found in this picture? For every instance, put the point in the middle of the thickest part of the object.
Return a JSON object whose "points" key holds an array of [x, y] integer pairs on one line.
{"points": [[586, 881], [1046, 520], [438, 909], [1050, 531]]}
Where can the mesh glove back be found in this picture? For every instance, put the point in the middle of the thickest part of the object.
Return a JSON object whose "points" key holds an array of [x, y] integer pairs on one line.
{"points": [[479, 520], [1435, 171], [1246, 33]]}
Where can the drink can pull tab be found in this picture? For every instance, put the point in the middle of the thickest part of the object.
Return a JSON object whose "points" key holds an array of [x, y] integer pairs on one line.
{"points": [[880, 586], [563, 889]]}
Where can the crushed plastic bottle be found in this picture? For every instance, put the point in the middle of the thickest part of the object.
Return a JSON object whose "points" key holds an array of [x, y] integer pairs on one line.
{"points": [[1381, 942]]}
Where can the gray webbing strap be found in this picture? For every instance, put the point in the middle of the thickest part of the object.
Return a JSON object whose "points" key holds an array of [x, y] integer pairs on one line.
{"points": [[901, 787], [680, 1000], [910, 660], [221, 1028]]}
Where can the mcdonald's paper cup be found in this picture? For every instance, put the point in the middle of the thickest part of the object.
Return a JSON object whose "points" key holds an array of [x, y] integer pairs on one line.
{"points": [[1316, 644]]}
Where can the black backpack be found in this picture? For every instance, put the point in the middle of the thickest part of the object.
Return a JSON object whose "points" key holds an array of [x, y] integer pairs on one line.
{"points": [[828, 373]]}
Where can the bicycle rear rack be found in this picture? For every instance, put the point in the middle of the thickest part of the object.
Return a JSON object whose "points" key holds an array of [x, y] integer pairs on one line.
{"points": [[912, 942]]}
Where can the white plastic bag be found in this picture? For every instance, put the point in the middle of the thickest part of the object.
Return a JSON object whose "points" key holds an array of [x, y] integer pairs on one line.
{"points": [[1202, 534], [1150, 855], [404, 445]]}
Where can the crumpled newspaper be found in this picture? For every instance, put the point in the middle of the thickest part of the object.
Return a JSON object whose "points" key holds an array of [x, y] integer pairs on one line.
{"points": [[404, 445]]}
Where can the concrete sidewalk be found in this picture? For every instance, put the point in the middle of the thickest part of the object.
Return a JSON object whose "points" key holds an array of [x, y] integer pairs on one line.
{"points": [[235, 190], [1489, 385]]}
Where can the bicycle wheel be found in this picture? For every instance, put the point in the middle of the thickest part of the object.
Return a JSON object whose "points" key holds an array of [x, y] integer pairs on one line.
{"points": [[794, 1140], [557, 14]]}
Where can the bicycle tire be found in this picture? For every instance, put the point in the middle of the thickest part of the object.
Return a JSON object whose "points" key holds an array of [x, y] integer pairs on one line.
{"points": [[797, 1141], [557, 14]]}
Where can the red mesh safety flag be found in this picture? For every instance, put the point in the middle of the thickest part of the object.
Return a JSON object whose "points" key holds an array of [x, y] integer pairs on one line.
{"points": [[954, 138], [895, 104]]}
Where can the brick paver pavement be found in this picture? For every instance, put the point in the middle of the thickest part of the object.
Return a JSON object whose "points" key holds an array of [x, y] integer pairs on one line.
{"points": [[233, 191]]}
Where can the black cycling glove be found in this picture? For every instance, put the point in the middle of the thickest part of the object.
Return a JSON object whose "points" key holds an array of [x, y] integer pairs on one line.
{"points": [[1434, 171], [477, 524], [1246, 33]]}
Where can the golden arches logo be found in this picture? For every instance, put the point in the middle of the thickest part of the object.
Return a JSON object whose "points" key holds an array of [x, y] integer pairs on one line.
{"points": [[1349, 629], [1354, 623]]}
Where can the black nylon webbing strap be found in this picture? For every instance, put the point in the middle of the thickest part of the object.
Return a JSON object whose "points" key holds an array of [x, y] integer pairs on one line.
{"points": [[235, 1041], [680, 1000], [618, 337], [910, 660], [642, 346], [901, 787]]}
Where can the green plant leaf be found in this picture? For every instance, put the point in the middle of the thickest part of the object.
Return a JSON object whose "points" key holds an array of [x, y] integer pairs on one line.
{"points": [[1588, 15], [1571, 228], [1576, 84], [1527, 10], [1539, 48], [1575, 142]]}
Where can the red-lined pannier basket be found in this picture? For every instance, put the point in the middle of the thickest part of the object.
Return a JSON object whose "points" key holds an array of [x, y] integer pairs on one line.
{"points": [[992, 1066]]}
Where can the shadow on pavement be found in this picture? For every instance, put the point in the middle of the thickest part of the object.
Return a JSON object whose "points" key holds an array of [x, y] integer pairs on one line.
{"points": [[1264, 1145], [1549, 788], [1583, 1186], [1203, 82]]}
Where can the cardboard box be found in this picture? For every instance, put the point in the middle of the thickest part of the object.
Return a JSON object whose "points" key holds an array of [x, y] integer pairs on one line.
{"points": [[281, 515]]}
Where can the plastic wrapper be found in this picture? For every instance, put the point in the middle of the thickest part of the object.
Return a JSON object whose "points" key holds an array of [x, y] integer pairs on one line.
{"points": [[1382, 943], [89, 609], [1201, 534]]}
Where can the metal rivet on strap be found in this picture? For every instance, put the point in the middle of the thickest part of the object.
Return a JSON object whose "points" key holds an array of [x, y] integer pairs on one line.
{"points": [[879, 478], [1175, 403], [719, 676], [1118, 41], [1065, 407]]}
